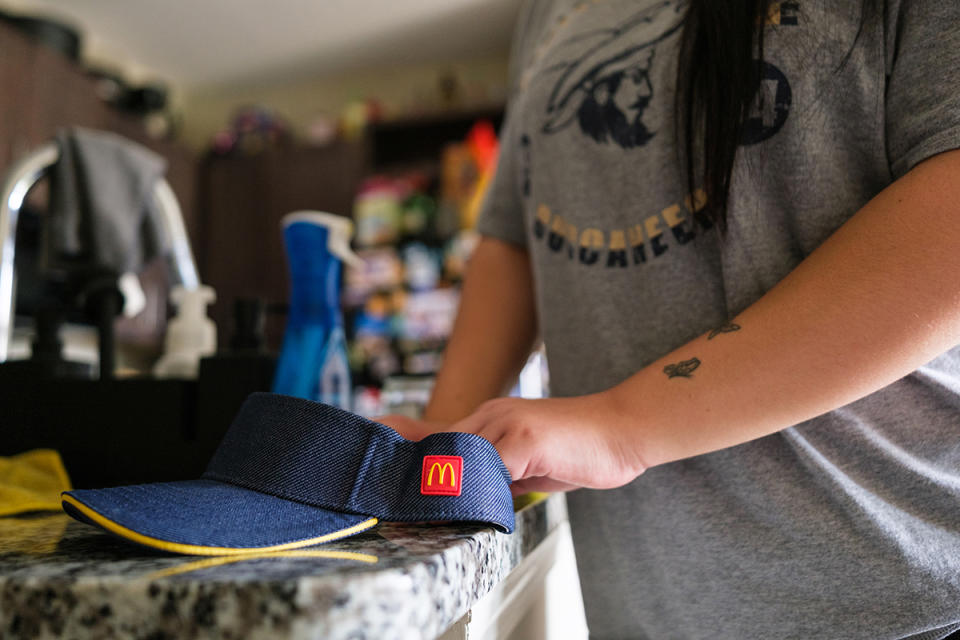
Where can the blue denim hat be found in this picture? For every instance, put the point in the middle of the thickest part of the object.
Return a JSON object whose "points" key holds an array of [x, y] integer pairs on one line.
{"points": [[292, 473]]}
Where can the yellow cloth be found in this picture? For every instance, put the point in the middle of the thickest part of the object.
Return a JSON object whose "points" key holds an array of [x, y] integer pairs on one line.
{"points": [[527, 499], [33, 534], [32, 481]]}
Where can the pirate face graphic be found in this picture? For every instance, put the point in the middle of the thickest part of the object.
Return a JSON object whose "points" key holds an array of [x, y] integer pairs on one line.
{"points": [[607, 89], [612, 109]]}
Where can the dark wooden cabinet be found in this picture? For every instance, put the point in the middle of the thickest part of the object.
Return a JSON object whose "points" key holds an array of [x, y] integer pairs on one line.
{"points": [[44, 91], [244, 199]]}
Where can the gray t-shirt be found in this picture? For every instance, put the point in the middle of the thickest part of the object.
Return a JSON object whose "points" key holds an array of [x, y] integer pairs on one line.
{"points": [[845, 526]]}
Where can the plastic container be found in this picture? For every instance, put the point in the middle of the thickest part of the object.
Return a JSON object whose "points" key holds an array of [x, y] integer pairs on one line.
{"points": [[313, 359], [191, 335]]}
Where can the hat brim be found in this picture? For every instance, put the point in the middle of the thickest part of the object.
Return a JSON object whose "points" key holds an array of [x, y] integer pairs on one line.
{"points": [[206, 517]]}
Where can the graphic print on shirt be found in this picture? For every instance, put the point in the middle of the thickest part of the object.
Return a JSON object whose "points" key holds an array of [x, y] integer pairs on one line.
{"points": [[770, 109], [774, 97], [606, 90], [600, 95]]}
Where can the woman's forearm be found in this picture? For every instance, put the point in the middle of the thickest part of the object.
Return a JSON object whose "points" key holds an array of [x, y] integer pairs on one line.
{"points": [[493, 334], [877, 300]]}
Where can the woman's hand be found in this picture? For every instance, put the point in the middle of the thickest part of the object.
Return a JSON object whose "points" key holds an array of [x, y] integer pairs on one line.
{"points": [[559, 444]]}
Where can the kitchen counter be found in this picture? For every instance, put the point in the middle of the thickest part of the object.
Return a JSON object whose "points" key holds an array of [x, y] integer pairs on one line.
{"points": [[61, 578]]}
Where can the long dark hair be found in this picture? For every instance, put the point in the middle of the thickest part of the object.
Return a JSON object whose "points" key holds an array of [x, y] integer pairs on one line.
{"points": [[719, 71]]}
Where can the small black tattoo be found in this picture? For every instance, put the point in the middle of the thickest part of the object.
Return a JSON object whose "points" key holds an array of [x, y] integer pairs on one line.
{"points": [[682, 369], [727, 327]]}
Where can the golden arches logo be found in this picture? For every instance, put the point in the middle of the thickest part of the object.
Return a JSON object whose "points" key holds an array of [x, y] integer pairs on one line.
{"points": [[441, 476], [443, 471]]}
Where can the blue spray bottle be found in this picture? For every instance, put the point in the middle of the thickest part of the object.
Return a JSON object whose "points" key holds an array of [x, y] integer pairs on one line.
{"points": [[313, 360]]}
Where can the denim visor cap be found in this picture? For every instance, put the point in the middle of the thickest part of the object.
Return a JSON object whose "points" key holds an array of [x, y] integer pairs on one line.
{"points": [[292, 473]]}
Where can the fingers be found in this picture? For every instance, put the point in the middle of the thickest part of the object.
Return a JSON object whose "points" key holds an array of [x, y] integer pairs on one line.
{"points": [[498, 424], [515, 458], [482, 418], [516, 429], [501, 424]]}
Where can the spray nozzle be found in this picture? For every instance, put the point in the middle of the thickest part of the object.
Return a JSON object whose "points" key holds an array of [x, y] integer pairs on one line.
{"points": [[339, 228]]}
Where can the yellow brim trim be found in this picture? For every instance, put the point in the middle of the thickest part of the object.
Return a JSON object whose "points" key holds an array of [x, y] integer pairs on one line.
{"points": [[197, 550], [196, 565]]}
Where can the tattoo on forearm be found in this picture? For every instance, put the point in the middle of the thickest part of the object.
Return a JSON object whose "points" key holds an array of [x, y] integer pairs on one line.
{"points": [[727, 327], [682, 369]]}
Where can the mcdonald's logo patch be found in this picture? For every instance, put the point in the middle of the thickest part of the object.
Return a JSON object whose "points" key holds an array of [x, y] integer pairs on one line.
{"points": [[441, 476]]}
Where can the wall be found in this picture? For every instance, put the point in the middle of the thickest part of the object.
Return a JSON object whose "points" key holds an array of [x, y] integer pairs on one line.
{"points": [[399, 64], [403, 91]]}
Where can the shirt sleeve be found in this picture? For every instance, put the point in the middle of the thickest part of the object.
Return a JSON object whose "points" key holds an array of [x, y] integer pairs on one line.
{"points": [[501, 215], [923, 83]]}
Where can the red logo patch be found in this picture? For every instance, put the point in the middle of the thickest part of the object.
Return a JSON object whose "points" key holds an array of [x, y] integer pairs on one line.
{"points": [[441, 476]]}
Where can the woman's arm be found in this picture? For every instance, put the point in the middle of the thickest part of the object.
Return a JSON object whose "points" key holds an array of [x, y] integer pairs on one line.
{"points": [[493, 334], [878, 299]]}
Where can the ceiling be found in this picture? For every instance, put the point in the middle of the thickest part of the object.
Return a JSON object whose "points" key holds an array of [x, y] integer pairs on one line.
{"points": [[203, 43]]}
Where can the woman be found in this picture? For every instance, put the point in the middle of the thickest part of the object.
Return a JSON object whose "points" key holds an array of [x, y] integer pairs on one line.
{"points": [[745, 276]]}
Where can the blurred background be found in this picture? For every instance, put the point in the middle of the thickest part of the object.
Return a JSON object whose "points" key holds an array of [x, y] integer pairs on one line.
{"points": [[151, 156], [382, 112]]}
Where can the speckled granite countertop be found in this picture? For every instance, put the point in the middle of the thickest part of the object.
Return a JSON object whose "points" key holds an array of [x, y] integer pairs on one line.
{"points": [[61, 578]]}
